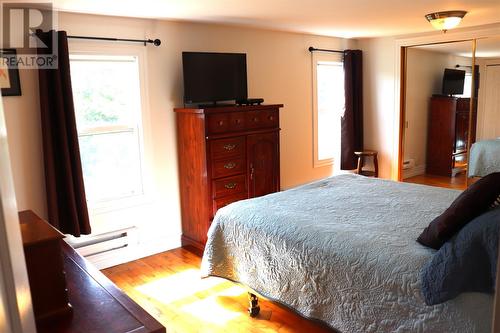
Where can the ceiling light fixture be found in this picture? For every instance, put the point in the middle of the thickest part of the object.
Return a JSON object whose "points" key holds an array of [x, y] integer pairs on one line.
{"points": [[445, 20]]}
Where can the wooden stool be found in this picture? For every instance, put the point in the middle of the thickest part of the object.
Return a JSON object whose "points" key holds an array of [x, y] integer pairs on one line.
{"points": [[361, 162]]}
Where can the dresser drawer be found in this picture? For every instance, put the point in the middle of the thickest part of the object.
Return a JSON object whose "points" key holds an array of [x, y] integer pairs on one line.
{"points": [[223, 202], [228, 186], [223, 148], [226, 122], [228, 167], [262, 119], [463, 105], [218, 123]]}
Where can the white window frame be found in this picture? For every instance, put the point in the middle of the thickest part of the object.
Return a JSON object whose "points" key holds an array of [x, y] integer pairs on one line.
{"points": [[78, 48], [318, 57]]}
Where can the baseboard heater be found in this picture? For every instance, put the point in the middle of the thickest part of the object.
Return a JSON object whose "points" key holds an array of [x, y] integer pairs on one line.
{"points": [[408, 164], [106, 242]]}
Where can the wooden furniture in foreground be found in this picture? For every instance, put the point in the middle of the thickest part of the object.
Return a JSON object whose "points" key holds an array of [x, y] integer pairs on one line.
{"points": [[225, 154], [42, 251], [362, 155], [448, 132], [98, 305]]}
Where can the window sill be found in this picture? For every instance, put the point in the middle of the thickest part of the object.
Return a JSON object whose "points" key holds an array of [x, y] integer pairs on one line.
{"points": [[103, 207], [323, 163]]}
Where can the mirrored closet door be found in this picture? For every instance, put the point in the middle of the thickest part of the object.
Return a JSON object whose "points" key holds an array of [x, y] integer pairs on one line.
{"points": [[439, 96], [485, 149]]}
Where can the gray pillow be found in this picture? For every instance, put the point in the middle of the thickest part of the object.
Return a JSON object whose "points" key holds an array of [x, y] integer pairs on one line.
{"points": [[466, 263]]}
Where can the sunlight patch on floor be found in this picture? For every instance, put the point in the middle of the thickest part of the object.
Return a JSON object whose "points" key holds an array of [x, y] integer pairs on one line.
{"points": [[177, 286], [210, 310], [213, 301]]}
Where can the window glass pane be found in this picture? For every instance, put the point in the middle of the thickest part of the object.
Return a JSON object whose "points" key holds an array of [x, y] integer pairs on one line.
{"points": [[106, 92], [111, 165], [467, 85], [331, 103]]}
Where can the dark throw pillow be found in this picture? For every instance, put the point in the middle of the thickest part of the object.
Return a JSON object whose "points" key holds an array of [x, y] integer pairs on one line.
{"points": [[466, 263], [496, 203], [474, 201]]}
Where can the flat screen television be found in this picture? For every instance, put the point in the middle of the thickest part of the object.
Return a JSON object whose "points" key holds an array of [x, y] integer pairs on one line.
{"points": [[453, 81], [213, 77]]}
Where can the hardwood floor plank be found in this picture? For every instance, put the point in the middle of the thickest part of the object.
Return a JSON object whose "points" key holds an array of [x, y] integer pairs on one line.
{"points": [[168, 285], [458, 182]]}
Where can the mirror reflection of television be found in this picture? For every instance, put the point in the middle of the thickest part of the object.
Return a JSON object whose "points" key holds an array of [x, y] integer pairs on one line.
{"points": [[453, 81], [212, 77]]}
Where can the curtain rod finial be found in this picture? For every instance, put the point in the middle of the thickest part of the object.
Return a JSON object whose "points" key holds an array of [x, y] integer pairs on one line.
{"points": [[157, 42]]}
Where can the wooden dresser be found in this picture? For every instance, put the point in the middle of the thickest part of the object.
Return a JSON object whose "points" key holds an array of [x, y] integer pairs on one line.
{"points": [[225, 154], [98, 306], [448, 132]]}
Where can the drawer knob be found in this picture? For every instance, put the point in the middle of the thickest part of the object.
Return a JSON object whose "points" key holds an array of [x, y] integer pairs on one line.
{"points": [[229, 165], [221, 122], [271, 118], [255, 119], [230, 186], [238, 121], [229, 146]]}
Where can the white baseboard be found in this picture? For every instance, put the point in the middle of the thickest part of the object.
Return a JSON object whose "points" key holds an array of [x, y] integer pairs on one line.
{"points": [[415, 171], [133, 252]]}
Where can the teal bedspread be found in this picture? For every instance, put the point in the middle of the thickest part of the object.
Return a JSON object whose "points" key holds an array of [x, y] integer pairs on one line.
{"points": [[484, 158], [342, 250]]}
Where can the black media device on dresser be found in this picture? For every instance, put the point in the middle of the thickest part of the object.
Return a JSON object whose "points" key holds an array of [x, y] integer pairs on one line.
{"points": [[225, 154], [250, 101]]}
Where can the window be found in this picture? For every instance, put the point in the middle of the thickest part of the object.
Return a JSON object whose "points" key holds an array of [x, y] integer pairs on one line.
{"points": [[329, 105], [467, 85], [106, 92]]}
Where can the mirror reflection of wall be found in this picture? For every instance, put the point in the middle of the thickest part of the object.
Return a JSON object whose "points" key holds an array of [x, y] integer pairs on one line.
{"points": [[485, 152], [488, 60], [437, 104]]}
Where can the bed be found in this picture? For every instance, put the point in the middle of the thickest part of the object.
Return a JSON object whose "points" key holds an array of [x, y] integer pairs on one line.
{"points": [[342, 250], [484, 158]]}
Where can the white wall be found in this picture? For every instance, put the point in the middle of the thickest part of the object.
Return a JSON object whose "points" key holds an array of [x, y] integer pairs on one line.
{"points": [[279, 70], [424, 72], [378, 100], [22, 115], [487, 114]]}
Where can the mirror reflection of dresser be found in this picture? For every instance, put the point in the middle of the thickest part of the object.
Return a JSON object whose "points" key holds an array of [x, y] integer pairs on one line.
{"points": [[448, 130]]}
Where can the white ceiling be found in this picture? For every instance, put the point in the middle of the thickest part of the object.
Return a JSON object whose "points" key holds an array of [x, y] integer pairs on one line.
{"points": [[342, 18], [485, 48]]}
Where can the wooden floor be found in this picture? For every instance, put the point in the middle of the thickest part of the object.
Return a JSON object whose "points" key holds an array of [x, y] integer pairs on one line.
{"points": [[457, 182], [168, 285]]}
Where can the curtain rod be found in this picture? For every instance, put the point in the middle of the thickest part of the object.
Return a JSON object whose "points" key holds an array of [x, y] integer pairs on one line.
{"points": [[313, 49], [155, 42], [463, 66]]}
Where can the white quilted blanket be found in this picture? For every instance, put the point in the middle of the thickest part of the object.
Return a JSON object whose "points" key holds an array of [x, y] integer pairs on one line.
{"points": [[484, 158], [342, 250]]}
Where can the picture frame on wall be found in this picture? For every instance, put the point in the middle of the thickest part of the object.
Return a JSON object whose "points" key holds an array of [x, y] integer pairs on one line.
{"points": [[9, 76]]}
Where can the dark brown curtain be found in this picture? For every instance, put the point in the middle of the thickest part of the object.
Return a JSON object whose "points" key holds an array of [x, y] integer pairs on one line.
{"points": [[67, 205], [352, 121]]}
